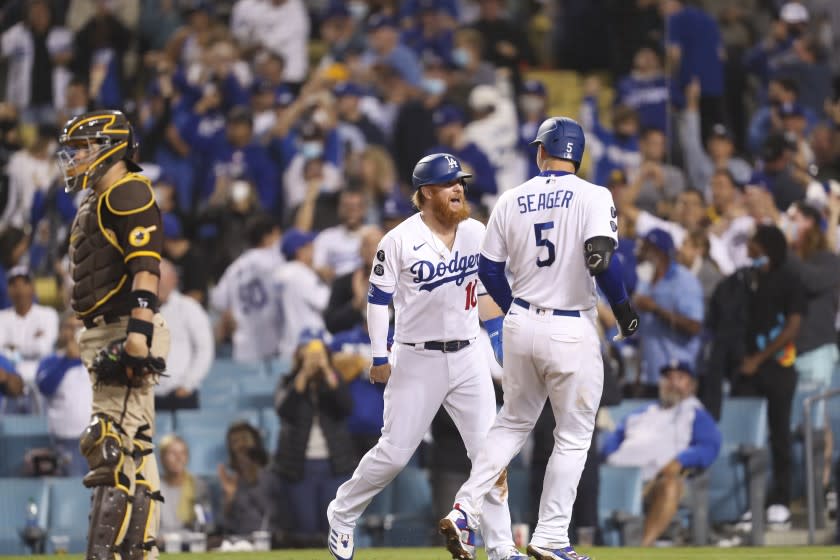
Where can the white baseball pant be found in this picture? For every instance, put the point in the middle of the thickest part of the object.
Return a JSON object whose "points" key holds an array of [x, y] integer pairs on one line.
{"points": [[545, 356], [422, 380]]}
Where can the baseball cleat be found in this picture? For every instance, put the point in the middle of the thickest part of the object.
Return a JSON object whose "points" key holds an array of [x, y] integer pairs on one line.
{"points": [[514, 554], [460, 538], [340, 545], [567, 553]]}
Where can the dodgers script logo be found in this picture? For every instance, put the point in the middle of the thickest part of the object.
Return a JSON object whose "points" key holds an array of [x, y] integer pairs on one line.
{"points": [[430, 275]]}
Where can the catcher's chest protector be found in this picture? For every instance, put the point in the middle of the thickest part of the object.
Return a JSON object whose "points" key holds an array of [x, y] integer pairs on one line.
{"points": [[96, 265]]}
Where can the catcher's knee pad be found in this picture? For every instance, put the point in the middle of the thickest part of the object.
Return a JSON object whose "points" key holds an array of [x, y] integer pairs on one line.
{"points": [[108, 515], [142, 443], [102, 447], [137, 544]]}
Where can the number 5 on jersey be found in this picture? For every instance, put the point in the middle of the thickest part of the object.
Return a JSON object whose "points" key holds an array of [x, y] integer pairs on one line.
{"points": [[543, 242]]}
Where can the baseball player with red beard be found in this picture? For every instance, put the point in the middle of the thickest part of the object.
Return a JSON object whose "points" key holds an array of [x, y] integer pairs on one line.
{"points": [[428, 266]]}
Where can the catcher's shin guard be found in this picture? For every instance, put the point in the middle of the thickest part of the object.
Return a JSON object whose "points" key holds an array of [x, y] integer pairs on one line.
{"points": [[108, 515], [137, 544], [102, 447]]}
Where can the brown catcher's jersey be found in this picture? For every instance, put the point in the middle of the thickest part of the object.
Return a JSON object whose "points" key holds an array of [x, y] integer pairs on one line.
{"points": [[115, 235]]}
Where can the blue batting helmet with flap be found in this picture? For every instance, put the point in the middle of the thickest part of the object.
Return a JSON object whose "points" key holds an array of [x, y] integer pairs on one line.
{"points": [[562, 138], [437, 169]]}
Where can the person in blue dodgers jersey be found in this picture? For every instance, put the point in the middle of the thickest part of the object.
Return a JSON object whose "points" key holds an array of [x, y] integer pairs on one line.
{"points": [[557, 233], [428, 265]]}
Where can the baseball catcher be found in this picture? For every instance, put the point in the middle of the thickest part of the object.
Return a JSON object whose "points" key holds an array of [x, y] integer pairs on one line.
{"points": [[115, 244]]}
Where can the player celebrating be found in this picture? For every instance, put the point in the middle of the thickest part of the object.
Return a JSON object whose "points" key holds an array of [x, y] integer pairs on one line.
{"points": [[557, 231], [429, 266]]}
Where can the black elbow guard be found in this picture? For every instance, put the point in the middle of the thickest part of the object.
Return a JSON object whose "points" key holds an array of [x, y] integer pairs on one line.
{"points": [[597, 251]]}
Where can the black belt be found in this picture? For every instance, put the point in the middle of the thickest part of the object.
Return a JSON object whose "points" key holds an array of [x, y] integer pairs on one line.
{"points": [[560, 312], [107, 319], [443, 346]]}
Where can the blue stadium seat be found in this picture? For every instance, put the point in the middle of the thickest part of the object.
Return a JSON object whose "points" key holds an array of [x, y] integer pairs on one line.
{"points": [[218, 419], [14, 499], [620, 505], [217, 395], [164, 423], [18, 434], [619, 411], [69, 505], [256, 392], [230, 370], [737, 477], [278, 367], [207, 449], [412, 509]]}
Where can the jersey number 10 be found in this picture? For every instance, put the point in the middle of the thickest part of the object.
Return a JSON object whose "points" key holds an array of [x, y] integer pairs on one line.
{"points": [[471, 295], [542, 242]]}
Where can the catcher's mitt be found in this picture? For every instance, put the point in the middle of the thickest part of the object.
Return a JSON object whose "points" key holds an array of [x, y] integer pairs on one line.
{"points": [[109, 366]]}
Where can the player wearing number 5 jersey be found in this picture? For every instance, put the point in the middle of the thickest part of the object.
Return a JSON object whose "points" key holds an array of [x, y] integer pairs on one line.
{"points": [[428, 266], [558, 234]]}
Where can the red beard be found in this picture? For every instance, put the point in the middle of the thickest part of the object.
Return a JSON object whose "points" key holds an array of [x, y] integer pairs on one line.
{"points": [[445, 215]]}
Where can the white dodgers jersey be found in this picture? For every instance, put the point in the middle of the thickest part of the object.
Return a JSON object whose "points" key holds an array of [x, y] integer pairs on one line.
{"points": [[247, 291], [435, 289], [541, 226]]}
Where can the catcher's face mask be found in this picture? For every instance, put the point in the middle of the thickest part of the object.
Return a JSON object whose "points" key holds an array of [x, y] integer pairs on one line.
{"points": [[80, 161]]}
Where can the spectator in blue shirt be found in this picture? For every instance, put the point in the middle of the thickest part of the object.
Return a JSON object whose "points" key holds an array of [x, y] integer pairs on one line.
{"points": [[449, 121], [410, 9], [430, 33], [609, 149], [236, 156], [667, 440], [63, 381], [670, 306], [385, 48], [645, 89], [695, 49], [780, 91]]}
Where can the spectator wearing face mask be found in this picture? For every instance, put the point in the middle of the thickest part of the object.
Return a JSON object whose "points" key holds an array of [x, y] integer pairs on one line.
{"points": [[775, 306], [310, 174], [670, 304], [235, 155]]}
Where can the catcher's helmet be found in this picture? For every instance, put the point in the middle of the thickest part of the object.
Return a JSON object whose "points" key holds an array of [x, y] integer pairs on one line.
{"points": [[562, 138], [437, 169], [91, 143]]}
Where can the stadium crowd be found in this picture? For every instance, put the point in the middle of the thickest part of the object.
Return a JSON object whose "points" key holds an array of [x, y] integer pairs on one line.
{"points": [[280, 136]]}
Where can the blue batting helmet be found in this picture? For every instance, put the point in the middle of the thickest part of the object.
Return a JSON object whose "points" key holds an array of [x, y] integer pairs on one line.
{"points": [[562, 138], [437, 169]]}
